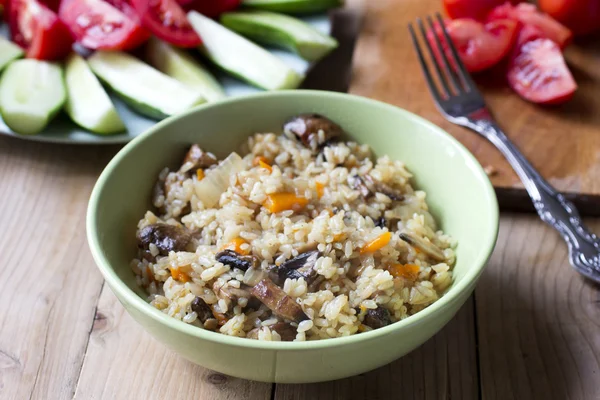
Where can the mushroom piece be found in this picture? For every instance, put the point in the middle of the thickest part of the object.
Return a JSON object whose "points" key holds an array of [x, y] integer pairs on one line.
{"points": [[426, 247], [285, 330], [223, 290], [306, 127], [165, 237], [367, 186], [203, 310], [358, 183], [236, 260], [278, 301], [197, 158], [301, 266], [377, 317]]}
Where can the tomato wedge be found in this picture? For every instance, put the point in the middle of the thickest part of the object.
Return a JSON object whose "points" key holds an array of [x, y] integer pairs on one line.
{"points": [[479, 46], [210, 8], [37, 29], [476, 9], [528, 14], [167, 20], [581, 16], [100, 24], [537, 70]]}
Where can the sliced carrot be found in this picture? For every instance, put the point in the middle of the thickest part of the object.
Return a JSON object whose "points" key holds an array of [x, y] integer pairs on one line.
{"points": [[320, 189], [266, 166], [221, 318], [258, 159], [236, 245], [338, 236], [408, 271], [150, 274], [179, 275], [200, 174], [376, 243], [277, 202]]}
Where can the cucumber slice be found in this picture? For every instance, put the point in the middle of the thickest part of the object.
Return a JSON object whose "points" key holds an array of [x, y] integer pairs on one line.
{"points": [[293, 6], [87, 103], [145, 89], [32, 92], [8, 52], [241, 57], [181, 66], [281, 31]]}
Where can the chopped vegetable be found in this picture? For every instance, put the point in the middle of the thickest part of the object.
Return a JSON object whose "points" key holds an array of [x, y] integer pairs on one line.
{"points": [[165, 237], [320, 189], [377, 243], [216, 181], [258, 159], [313, 130], [277, 202], [179, 275], [301, 266], [235, 260], [278, 301], [265, 166], [236, 245], [202, 309], [408, 271], [338, 236], [377, 318], [200, 174], [426, 247], [197, 158]]}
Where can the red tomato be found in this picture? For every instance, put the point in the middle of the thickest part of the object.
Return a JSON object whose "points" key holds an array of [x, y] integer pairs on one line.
{"points": [[167, 20], [37, 29], [581, 16], [528, 14], [100, 24], [210, 8], [477, 9], [479, 46], [537, 70]]}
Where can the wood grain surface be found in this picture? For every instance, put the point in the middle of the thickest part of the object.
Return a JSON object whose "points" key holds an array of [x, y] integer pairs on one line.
{"points": [[531, 330], [562, 142]]}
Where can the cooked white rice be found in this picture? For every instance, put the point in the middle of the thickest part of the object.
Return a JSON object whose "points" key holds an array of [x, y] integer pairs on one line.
{"points": [[339, 224]]}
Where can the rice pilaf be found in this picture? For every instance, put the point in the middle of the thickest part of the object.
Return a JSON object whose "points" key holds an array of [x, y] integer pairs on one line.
{"points": [[305, 237]]}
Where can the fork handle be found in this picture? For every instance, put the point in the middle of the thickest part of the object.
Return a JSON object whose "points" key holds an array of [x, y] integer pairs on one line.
{"points": [[552, 207]]}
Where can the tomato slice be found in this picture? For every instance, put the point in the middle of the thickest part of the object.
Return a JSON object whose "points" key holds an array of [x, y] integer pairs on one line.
{"points": [[581, 16], [167, 20], [528, 14], [537, 70], [210, 8], [37, 29], [100, 24], [476, 9], [479, 46]]}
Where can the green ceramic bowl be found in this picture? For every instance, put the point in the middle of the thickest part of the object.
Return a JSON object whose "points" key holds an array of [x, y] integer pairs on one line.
{"points": [[459, 194]]}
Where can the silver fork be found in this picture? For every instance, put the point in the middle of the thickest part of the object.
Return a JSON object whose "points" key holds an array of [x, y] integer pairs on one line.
{"points": [[459, 100]]}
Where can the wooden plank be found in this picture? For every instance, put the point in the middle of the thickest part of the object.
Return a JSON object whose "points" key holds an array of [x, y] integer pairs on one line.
{"points": [[445, 367], [123, 361], [538, 319], [49, 285], [386, 68]]}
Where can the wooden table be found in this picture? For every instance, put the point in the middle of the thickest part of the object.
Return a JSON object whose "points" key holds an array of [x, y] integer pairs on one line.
{"points": [[531, 330]]}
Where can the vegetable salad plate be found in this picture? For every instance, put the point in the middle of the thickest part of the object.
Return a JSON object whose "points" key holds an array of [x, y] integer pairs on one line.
{"points": [[135, 116]]}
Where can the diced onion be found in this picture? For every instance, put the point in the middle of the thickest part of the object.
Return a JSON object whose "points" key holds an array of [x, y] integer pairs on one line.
{"points": [[216, 181], [253, 276]]}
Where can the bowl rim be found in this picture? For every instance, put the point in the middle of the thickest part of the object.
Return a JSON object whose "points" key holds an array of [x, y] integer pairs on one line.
{"points": [[141, 305]]}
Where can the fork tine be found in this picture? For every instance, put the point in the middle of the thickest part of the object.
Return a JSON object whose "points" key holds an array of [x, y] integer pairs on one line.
{"points": [[440, 74], [462, 70], [428, 79], [446, 64]]}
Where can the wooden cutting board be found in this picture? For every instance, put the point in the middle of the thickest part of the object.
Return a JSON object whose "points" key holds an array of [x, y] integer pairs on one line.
{"points": [[562, 142]]}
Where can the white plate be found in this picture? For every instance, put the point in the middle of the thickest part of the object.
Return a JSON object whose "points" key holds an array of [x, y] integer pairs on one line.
{"points": [[62, 130]]}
